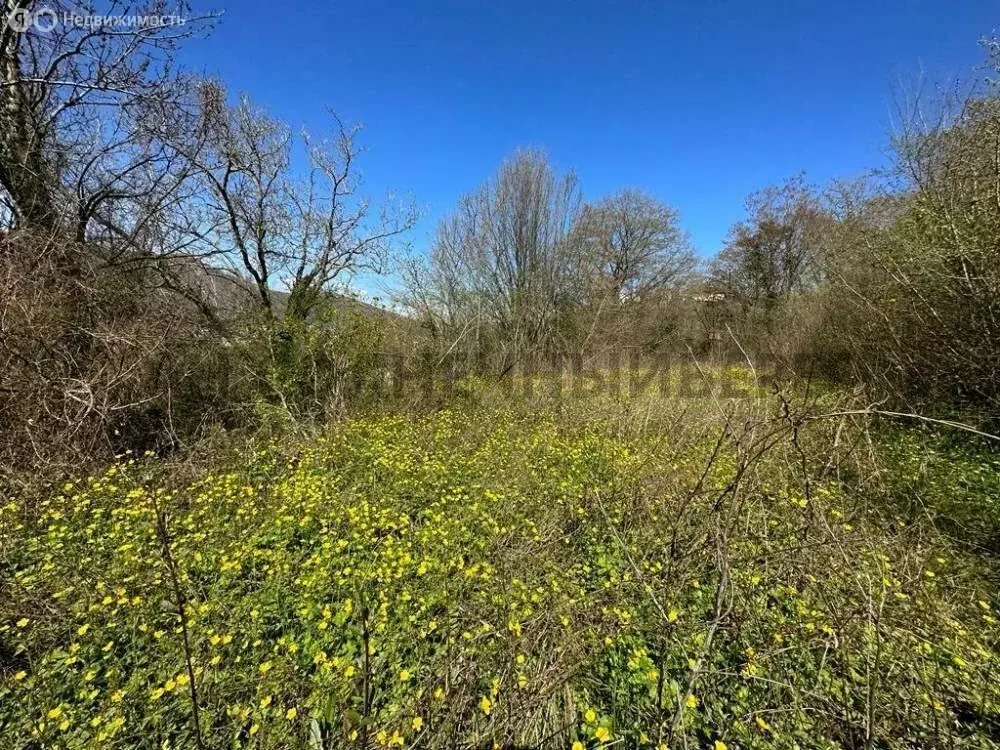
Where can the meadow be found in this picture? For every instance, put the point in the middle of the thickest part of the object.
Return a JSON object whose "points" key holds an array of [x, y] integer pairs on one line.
{"points": [[596, 571], [591, 457]]}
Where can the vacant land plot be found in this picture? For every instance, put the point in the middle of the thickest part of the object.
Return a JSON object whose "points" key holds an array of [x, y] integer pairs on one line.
{"points": [[710, 573]]}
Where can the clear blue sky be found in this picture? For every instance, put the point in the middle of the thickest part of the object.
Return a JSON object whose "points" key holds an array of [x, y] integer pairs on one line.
{"points": [[697, 102]]}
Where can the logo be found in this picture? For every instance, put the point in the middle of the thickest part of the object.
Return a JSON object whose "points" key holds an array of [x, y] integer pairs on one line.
{"points": [[45, 19], [19, 20], [22, 19]]}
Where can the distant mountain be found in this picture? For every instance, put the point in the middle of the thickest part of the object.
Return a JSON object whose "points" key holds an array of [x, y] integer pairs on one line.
{"points": [[225, 292]]}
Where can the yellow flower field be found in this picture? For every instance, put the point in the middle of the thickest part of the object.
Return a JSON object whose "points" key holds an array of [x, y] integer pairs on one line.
{"points": [[509, 578]]}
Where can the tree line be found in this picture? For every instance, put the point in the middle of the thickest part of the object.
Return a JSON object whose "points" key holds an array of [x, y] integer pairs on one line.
{"points": [[169, 265]]}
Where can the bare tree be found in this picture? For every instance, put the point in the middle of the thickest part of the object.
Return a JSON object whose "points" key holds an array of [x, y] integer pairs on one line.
{"points": [[96, 197], [302, 235], [501, 259], [777, 250], [631, 244], [630, 259], [85, 114], [924, 287]]}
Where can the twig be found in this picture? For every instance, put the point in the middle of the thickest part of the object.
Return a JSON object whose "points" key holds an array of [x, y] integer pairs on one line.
{"points": [[168, 560], [868, 412]]}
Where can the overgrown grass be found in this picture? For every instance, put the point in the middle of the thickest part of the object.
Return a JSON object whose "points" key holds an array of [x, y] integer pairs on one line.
{"points": [[711, 573], [949, 479]]}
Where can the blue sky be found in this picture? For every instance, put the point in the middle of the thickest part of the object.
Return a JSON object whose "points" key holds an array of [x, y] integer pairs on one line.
{"points": [[698, 103]]}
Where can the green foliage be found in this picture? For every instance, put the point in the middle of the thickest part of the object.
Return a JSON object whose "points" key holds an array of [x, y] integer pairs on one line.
{"points": [[319, 368], [956, 483], [508, 576]]}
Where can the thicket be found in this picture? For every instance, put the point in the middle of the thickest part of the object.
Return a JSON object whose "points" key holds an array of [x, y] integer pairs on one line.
{"points": [[168, 268]]}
